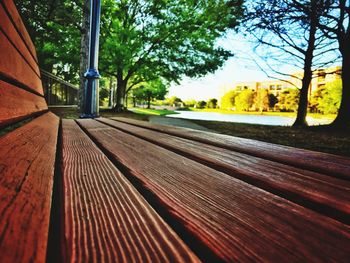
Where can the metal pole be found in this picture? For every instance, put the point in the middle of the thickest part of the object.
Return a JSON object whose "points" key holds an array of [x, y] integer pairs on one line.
{"points": [[90, 100]]}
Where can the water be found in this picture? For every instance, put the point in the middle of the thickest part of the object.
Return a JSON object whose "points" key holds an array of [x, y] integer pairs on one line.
{"points": [[242, 118]]}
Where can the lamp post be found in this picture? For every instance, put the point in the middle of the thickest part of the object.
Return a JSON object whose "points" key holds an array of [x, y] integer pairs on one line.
{"points": [[90, 100]]}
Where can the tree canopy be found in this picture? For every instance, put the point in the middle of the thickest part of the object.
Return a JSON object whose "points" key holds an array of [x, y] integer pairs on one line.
{"points": [[290, 30], [149, 91], [55, 27], [146, 40]]}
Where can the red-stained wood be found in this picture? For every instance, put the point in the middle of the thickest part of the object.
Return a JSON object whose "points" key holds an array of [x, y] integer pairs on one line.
{"points": [[322, 193], [16, 18], [10, 31], [17, 104], [236, 221], [106, 219], [329, 164], [27, 157], [12, 65]]}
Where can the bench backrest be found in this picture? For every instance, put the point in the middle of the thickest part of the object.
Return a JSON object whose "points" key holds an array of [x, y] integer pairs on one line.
{"points": [[21, 91]]}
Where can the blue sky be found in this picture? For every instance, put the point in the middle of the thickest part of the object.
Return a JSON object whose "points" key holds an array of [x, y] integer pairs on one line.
{"points": [[237, 68]]}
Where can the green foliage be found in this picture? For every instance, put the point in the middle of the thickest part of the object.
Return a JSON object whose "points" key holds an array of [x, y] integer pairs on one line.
{"points": [[168, 39], [228, 100], [212, 103], [244, 100], [330, 98], [288, 100], [103, 94], [190, 103], [174, 101], [273, 100], [152, 90], [261, 100], [201, 104], [55, 28]]}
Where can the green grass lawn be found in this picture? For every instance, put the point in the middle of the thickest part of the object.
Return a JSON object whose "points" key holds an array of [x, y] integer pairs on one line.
{"points": [[152, 111], [317, 138]]}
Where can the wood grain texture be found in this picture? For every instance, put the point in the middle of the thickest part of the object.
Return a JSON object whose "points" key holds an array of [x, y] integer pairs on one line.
{"points": [[329, 164], [10, 31], [17, 20], [325, 194], [106, 219], [16, 104], [235, 220], [12, 65], [27, 157]]}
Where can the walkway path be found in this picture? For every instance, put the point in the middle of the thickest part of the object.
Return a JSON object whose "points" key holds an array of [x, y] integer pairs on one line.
{"points": [[176, 122]]}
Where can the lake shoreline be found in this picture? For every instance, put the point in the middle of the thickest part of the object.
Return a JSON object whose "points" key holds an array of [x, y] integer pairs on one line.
{"points": [[251, 118]]}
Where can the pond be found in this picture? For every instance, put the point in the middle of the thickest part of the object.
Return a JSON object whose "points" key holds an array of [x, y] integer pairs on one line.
{"points": [[244, 118]]}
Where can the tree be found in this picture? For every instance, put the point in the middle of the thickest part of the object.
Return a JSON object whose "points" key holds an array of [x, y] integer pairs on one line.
{"points": [[190, 103], [174, 101], [201, 104], [212, 103], [244, 100], [273, 100], [228, 100], [336, 25], [84, 48], [55, 28], [150, 91], [167, 39], [288, 100], [261, 100], [330, 98], [290, 27]]}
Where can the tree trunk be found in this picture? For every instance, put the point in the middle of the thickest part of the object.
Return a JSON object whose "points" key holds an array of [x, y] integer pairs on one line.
{"points": [[309, 54], [120, 98], [148, 102], [84, 50], [126, 101], [303, 100], [111, 93], [342, 120]]}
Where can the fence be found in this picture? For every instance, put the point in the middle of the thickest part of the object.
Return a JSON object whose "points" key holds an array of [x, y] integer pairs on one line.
{"points": [[58, 91]]}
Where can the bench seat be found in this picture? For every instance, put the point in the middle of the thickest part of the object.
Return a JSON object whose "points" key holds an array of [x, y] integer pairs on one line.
{"points": [[330, 164], [121, 190], [233, 219], [105, 218], [27, 161], [319, 192]]}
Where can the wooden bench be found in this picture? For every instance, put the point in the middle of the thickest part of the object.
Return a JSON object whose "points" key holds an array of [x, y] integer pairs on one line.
{"points": [[121, 190]]}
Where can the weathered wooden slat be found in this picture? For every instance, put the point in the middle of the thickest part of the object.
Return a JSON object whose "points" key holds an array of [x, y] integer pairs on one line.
{"points": [[17, 20], [235, 220], [325, 194], [329, 164], [16, 104], [12, 65], [11, 32], [106, 219], [27, 157]]}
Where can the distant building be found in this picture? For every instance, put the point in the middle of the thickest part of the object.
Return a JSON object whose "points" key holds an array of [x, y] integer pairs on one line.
{"points": [[324, 76], [276, 87]]}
